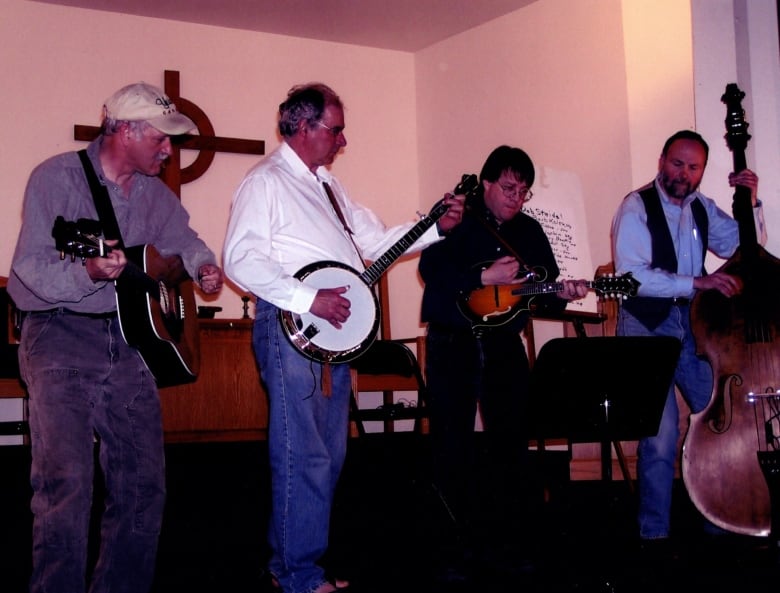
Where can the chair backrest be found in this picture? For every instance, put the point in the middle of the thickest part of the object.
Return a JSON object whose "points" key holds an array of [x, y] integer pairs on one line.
{"points": [[389, 366]]}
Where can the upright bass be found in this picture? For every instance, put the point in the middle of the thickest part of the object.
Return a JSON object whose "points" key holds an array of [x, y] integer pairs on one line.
{"points": [[731, 451]]}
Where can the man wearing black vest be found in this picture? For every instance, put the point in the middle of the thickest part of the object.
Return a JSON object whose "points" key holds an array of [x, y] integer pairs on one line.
{"points": [[661, 233]]}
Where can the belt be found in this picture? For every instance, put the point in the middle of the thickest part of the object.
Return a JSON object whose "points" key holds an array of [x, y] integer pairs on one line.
{"points": [[64, 311], [681, 302], [451, 330]]}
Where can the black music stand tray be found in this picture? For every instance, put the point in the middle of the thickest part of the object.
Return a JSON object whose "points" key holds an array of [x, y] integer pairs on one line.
{"points": [[601, 389]]}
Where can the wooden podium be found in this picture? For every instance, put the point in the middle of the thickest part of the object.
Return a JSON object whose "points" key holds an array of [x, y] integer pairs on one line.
{"points": [[227, 402]]}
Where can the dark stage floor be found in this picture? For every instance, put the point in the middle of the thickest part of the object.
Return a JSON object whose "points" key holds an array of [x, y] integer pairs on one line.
{"points": [[582, 537]]}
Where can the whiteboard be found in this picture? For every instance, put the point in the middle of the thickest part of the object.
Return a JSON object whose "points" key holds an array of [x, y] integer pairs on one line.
{"points": [[559, 207]]}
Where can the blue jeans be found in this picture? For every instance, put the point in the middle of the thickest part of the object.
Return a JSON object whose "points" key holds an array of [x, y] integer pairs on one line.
{"points": [[87, 385], [307, 444], [657, 455]]}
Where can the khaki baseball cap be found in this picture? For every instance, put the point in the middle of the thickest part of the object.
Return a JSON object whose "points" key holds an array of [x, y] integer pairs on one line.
{"points": [[144, 102]]}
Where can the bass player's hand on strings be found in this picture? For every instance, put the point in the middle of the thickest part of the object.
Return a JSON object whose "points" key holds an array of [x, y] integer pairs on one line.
{"points": [[726, 284], [331, 306]]}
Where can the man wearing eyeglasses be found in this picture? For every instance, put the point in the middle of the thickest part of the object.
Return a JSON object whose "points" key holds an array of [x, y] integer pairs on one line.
{"points": [[476, 359], [289, 212]]}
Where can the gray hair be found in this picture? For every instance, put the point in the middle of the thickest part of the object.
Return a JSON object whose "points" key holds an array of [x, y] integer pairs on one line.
{"points": [[111, 126], [307, 103]]}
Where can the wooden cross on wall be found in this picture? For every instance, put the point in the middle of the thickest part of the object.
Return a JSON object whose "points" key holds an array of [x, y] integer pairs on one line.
{"points": [[205, 141]]}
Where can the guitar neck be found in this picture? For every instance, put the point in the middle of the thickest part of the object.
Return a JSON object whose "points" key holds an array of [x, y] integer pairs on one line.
{"points": [[133, 274], [145, 268]]}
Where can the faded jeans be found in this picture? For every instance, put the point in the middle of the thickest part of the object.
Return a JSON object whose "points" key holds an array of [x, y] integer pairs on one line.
{"points": [[86, 385], [307, 444], [657, 455]]}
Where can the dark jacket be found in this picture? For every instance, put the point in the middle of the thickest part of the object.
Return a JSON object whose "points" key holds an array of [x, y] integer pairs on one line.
{"points": [[452, 267]]}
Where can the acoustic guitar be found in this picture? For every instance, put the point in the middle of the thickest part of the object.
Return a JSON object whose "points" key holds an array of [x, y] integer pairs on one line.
{"points": [[155, 302]]}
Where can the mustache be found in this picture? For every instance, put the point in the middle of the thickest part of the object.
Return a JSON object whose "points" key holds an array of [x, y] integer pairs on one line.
{"points": [[674, 185]]}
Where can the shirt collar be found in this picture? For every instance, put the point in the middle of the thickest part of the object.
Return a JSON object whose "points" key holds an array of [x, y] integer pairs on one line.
{"points": [[300, 168]]}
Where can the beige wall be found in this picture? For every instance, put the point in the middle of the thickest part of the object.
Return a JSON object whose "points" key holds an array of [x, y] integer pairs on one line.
{"points": [[59, 64], [587, 86], [737, 41], [551, 79]]}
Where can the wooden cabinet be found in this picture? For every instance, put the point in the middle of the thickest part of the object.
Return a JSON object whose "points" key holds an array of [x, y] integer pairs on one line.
{"points": [[227, 402]]}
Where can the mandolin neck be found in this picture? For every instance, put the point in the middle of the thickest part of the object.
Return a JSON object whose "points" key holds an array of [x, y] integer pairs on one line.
{"points": [[543, 288]]}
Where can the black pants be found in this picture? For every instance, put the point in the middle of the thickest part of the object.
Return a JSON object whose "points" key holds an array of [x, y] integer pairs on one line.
{"points": [[483, 479]]}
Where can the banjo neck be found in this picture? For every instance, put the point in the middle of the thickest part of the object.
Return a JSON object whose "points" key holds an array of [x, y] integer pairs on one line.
{"points": [[373, 272]]}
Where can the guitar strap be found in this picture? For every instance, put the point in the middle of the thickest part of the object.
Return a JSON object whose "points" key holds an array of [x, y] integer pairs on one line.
{"points": [[102, 201]]}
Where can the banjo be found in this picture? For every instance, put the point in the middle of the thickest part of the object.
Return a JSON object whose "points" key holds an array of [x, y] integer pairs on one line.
{"points": [[317, 339]]}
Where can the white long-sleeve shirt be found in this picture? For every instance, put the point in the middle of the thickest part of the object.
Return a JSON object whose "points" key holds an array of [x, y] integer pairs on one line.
{"points": [[281, 220]]}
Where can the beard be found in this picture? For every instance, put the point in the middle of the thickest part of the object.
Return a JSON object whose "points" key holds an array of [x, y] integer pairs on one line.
{"points": [[676, 188]]}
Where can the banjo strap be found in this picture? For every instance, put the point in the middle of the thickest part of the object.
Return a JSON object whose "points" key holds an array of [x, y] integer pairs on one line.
{"points": [[325, 376], [340, 214]]}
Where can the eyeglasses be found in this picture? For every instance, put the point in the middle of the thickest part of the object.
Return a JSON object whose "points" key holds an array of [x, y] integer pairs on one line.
{"points": [[510, 191], [335, 130]]}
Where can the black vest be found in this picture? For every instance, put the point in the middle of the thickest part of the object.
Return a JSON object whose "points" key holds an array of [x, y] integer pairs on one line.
{"points": [[651, 311]]}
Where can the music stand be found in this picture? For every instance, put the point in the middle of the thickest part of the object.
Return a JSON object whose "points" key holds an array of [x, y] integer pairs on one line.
{"points": [[602, 389]]}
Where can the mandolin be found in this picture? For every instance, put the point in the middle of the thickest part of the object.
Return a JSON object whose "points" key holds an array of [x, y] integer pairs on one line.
{"points": [[496, 305]]}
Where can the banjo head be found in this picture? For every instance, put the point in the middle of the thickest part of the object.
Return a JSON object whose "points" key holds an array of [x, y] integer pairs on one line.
{"points": [[315, 337]]}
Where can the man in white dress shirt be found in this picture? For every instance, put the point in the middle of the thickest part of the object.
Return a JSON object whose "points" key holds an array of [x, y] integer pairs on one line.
{"points": [[281, 220]]}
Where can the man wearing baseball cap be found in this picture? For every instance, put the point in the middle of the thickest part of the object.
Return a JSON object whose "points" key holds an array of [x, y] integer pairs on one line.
{"points": [[144, 102], [89, 391]]}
